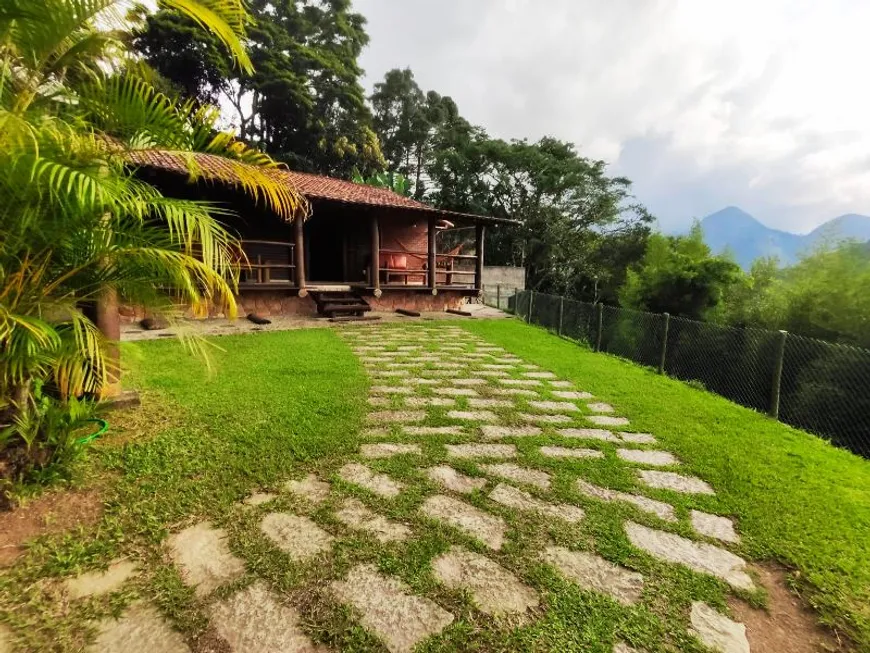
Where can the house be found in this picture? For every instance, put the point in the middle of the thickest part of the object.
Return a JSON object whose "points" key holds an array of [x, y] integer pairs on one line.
{"points": [[361, 246]]}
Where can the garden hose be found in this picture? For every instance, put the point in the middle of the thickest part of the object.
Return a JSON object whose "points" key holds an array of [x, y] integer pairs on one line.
{"points": [[104, 426]]}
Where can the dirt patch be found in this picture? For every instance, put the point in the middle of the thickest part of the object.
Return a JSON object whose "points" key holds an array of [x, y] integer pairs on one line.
{"points": [[53, 512], [788, 625], [211, 642]]}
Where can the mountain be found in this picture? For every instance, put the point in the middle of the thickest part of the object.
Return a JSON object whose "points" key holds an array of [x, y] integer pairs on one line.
{"points": [[748, 239]]}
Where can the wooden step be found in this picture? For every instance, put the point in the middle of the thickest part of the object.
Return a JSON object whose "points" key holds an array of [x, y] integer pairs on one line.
{"points": [[350, 309], [358, 318]]}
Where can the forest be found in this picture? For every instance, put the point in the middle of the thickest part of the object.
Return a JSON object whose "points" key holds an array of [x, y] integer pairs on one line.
{"points": [[582, 233]]}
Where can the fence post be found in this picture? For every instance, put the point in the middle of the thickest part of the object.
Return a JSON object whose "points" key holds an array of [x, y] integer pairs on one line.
{"points": [[498, 296], [600, 326], [777, 376], [531, 303], [665, 343], [561, 312]]}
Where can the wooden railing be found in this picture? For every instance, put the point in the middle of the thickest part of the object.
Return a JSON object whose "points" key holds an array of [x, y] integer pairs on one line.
{"points": [[451, 270], [269, 263]]}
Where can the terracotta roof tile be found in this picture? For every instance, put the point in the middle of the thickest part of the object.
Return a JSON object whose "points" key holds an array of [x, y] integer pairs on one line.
{"points": [[311, 186]]}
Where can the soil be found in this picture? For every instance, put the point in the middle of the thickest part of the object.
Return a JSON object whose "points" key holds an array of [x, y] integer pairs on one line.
{"points": [[788, 625], [53, 512], [211, 642]]}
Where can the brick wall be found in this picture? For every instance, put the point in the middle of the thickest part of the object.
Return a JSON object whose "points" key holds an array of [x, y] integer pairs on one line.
{"points": [[401, 234]]}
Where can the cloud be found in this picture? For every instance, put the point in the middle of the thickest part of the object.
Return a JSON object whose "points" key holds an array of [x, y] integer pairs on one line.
{"points": [[759, 103]]}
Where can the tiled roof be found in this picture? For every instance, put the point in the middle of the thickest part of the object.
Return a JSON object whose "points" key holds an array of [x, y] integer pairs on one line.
{"points": [[311, 186]]}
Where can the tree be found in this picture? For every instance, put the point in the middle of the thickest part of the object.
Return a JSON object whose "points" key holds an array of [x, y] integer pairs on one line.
{"points": [[78, 227], [304, 104], [407, 122], [679, 275]]}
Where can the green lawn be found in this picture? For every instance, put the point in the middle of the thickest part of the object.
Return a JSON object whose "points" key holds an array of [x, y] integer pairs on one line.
{"points": [[798, 500], [278, 405]]}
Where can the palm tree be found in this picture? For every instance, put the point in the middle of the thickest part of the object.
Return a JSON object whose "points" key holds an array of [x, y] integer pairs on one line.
{"points": [[77, 226]]}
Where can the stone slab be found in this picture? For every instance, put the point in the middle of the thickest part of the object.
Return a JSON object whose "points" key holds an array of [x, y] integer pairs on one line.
{"points": [[455, 392], [660, 509], [490, 403], [545, 419], [389, 609], [422, 402], [356, 515], [570, 452], [495, 374], [298, 537], [98, 583], [637, 438], [141, 629], [716, 631], [495, 432], [600, 407], [539, 375], [432, 430], [378, 402], [389, 449], [521, 382], [700, 557], [588, 434], [512, 497], [592, 572], [561, 384], [514, 392], [203, 557], [494, 589], [397, 416], [310, 487], [475, 450], [571, 394], [380, 484], [714, 526], [470, 382], [511, 472], [475, 523], [454, 481], [676, 482], [607, 420], [473, 415], [258, 498], [557, 406], [254, 620], [646, 457]]}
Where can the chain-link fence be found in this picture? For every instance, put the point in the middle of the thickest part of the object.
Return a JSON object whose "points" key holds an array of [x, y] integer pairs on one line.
{"points": [[817, 386]]}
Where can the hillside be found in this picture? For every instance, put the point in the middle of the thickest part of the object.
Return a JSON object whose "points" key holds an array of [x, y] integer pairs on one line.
{"points": [[748, 239]]}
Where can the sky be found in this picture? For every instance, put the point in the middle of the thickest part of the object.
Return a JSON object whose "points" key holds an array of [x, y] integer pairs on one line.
{"points": [[761, 104]]}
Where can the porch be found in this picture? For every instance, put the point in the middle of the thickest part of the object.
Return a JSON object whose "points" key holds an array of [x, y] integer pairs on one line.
{"points": [[370, 252]]}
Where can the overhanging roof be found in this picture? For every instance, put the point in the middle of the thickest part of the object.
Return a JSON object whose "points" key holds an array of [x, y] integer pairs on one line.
{"points": [[313, 187]]}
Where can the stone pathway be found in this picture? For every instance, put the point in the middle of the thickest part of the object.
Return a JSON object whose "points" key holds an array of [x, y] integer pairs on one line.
{"points": [[489, 437]]}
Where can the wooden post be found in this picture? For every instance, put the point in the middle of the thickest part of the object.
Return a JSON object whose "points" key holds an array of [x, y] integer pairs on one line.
{"points": [[299, 255], [376, 257], [433, 260], [777, 376], [108, 321], [600, 326], [478, 245], [498, 296], [561, 312], [531, 303], [665, 343], [345, 265]]}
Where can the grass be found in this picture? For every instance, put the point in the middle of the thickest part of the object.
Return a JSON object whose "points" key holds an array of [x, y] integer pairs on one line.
{"points": [[797, 499], [280, 405]]}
